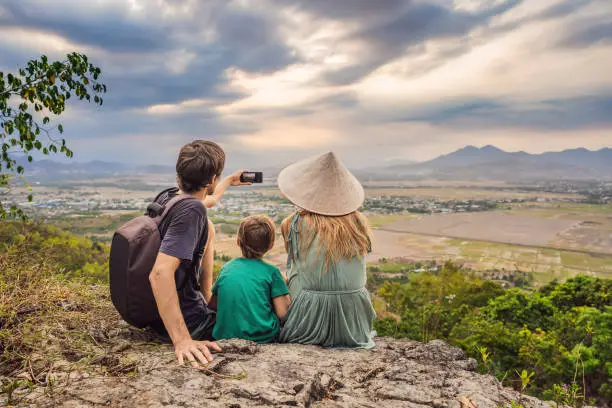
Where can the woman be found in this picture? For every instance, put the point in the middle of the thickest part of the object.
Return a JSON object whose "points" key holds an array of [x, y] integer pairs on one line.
{"points": [[326, 241]]}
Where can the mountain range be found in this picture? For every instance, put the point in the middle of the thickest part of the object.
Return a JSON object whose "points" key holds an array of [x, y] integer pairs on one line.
{"points": [[467, 164], [491, 163]]}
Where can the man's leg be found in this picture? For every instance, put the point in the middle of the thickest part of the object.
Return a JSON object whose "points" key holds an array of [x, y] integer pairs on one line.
{"points": [[204, 330]]}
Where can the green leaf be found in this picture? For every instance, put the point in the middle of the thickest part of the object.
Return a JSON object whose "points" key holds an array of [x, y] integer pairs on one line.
{"points": [[60, 128]]}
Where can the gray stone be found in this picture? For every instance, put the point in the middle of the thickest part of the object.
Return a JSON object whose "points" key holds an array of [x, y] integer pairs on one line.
{"points": [[398, 373]]}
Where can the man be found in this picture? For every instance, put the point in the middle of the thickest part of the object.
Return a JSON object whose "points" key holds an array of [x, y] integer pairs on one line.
{"points": [[185, 318]]}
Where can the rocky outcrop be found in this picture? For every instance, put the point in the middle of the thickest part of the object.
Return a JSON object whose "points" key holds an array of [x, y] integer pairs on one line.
{"points": [[398, 373]]}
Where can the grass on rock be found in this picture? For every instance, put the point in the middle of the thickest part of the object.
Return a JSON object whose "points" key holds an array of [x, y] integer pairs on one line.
{"points": [[54, 320]]}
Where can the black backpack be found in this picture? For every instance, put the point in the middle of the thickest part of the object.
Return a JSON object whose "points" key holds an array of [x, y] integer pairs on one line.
{"points": [[134, 249]]}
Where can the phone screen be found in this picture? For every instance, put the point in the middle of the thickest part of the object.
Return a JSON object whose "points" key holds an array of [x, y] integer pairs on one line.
{"points": [[252, 177]]}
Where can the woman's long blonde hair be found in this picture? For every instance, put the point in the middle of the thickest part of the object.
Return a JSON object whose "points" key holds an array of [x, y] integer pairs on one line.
{"points": [[343, 237]]}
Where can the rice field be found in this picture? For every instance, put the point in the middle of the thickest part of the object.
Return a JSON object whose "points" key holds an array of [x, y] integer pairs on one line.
{"points": [[552, 240], [534, 253]]}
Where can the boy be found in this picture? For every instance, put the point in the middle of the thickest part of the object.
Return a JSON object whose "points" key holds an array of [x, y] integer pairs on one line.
{"points": [[251, 295]]}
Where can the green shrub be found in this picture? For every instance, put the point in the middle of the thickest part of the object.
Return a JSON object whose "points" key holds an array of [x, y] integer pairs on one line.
{"points": [[562, 333]]}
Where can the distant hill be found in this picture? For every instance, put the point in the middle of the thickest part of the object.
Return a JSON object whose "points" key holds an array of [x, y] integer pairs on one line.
{"points": [[492, 163], [467, 164], [52, 170]]}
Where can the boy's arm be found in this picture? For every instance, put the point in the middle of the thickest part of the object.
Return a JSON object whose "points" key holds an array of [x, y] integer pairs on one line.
{"points": [[164, 290], [206, 278], [279, 292], [281, 305], [231, 180]]}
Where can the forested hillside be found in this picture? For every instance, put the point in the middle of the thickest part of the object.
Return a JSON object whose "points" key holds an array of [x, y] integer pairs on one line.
{"points": [[558, 337]]}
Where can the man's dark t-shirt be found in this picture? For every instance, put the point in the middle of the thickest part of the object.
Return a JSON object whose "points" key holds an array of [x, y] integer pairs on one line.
{"points": [[184, 235]]}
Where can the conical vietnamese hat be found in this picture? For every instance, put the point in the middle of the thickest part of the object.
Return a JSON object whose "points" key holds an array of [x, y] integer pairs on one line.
{"points": [[321, 185]]}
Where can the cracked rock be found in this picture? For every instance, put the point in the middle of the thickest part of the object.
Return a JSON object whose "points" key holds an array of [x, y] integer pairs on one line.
{"points": [[397, 374]]}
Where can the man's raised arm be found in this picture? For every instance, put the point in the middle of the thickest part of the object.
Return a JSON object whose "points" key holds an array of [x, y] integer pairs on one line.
{"points": [[231, 180], [166, 297]]}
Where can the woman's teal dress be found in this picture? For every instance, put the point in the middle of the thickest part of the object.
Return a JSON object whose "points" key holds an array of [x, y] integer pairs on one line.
{"points": [[330, 308]]}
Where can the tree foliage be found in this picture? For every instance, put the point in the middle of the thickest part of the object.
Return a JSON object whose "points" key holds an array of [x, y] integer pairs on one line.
{"points": [[45, 245], [432, 303], [561, 333], [30, 100]]}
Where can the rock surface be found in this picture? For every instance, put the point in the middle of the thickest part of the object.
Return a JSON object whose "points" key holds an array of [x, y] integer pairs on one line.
{"points": [[398, 373]]}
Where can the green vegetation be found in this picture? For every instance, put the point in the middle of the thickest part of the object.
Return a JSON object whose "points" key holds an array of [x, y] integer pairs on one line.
{"points": [[71, 256], [25, 99], [94, 225], [564, 210], [561, 333], [55, 310]]}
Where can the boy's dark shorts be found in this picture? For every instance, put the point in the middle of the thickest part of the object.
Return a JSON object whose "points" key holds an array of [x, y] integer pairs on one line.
{"points": [[201, 330]]}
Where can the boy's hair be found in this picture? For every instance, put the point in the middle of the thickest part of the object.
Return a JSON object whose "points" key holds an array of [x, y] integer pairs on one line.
{"points": [[198, 162], [256, 236]]}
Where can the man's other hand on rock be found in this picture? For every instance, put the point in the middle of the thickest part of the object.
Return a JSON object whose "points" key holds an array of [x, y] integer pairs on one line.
{"points": [[196, 352]]}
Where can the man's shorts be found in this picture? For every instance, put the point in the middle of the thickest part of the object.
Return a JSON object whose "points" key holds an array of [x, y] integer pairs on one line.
{"points": [[201, 330]]}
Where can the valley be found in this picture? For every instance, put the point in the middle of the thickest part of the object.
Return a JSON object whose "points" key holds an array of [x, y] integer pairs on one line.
{"points": [[497, 228]]}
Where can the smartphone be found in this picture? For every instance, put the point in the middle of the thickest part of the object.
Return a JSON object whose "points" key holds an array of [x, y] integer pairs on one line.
{"points": [[251, 177]]}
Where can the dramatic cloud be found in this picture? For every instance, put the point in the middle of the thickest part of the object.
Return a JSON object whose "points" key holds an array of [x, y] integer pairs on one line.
{"points": [[274, 80]]}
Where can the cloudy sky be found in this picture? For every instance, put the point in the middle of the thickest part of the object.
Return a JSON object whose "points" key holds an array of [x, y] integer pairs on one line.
{"points": [[374, 80]]}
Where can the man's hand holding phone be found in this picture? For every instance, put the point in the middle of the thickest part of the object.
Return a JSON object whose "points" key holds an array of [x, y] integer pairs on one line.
{"points": [[237, 180]]}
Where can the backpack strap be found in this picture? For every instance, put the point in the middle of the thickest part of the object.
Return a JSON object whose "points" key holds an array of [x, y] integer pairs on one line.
{"points": [[170, 191], [199, 254], [167, 209]]}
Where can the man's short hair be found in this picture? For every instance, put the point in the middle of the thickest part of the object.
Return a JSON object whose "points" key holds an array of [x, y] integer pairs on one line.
{"points": [[198, 162], [256, 236]]}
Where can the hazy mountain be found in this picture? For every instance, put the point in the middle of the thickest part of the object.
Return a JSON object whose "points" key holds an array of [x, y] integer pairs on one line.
{"points": [[156, 169], [52, 170], [468, 163], [471, 155], [492, 163]]}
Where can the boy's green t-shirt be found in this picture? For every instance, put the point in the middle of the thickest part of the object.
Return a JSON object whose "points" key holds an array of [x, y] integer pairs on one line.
{"points": [[245, 289]]}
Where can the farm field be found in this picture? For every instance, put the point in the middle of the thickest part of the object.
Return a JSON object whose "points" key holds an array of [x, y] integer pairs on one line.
{"points": [[446, 193], [545, 263], [487, 226], [552, 241], [548, 234], [464, 193]]}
